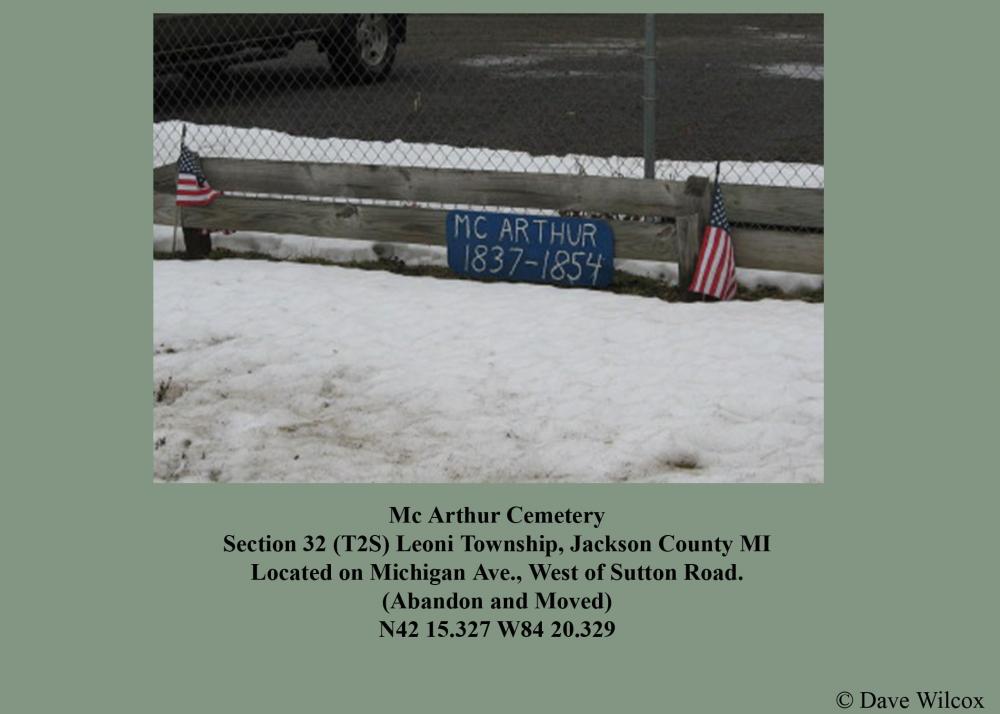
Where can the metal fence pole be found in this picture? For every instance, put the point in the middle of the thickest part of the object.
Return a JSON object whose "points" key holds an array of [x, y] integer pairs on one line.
{"points": [[649, 100]]}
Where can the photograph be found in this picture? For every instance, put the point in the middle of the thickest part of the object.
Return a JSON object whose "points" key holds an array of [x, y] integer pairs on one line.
{"points": [[488, 248]]}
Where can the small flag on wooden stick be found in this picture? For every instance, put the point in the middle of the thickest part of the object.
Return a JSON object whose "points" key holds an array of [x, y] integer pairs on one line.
{"points": [[715, 269], [193, 188]]}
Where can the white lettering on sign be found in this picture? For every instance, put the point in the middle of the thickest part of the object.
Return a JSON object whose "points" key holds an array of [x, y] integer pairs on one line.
{"points": [[461, 220], [521, 229], [538, 230], [478, 226], [505, 231], [563, 249]]}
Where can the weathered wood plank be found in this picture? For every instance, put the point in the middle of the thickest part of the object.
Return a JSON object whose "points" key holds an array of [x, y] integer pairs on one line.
{"points": [[390, 224], [163, 209], [779, 250], [774, 205], [449, 186], [644, 241], [764, 249], [644, 197], [165, 179]]}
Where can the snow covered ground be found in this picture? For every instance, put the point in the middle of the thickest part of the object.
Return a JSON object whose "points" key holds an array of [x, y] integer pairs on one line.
{"points": [[239, 143], [290, 372]]}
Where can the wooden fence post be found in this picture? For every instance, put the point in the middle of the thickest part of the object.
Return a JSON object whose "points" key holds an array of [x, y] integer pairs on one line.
{"points": [[689, 229]]}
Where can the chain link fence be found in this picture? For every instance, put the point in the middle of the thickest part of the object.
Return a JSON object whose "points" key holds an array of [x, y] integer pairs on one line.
{"points": [[533, 93]]}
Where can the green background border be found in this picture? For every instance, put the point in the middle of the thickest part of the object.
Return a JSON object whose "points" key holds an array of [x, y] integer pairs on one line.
{"points": [[117, 596]]}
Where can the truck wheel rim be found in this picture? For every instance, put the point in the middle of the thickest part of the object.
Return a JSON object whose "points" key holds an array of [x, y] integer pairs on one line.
{"points": [[373, 39]]}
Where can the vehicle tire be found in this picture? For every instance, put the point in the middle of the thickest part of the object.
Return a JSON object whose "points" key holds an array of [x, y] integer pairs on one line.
{"points": [[197, 243], [366, 51]]}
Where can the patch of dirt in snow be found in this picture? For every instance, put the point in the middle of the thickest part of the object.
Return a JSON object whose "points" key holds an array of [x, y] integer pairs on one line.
{"points": [[168, 391]]}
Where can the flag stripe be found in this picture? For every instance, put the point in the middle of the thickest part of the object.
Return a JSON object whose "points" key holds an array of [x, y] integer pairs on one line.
{"points": [[711, 264], [715, 268], [704, 259], [705, 247], [725, 258], [720, 262]]}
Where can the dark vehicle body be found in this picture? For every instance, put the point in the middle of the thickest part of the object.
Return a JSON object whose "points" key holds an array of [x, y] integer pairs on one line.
{"points": [[360, 47]]}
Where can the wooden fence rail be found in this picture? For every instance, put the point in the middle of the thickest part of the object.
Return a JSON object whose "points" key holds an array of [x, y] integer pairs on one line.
{"points": [[772, 248]]}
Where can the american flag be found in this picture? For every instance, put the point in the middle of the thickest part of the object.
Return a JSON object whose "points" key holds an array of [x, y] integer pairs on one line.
{"points": [[193, 188], [715, 271]]}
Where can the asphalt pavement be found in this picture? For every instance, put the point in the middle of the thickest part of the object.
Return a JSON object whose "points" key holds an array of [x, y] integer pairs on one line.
{"points": [[728, 86]]}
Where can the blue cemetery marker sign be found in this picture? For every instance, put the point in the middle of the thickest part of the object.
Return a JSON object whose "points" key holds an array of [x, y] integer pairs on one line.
{"points": [[534, 249]]}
